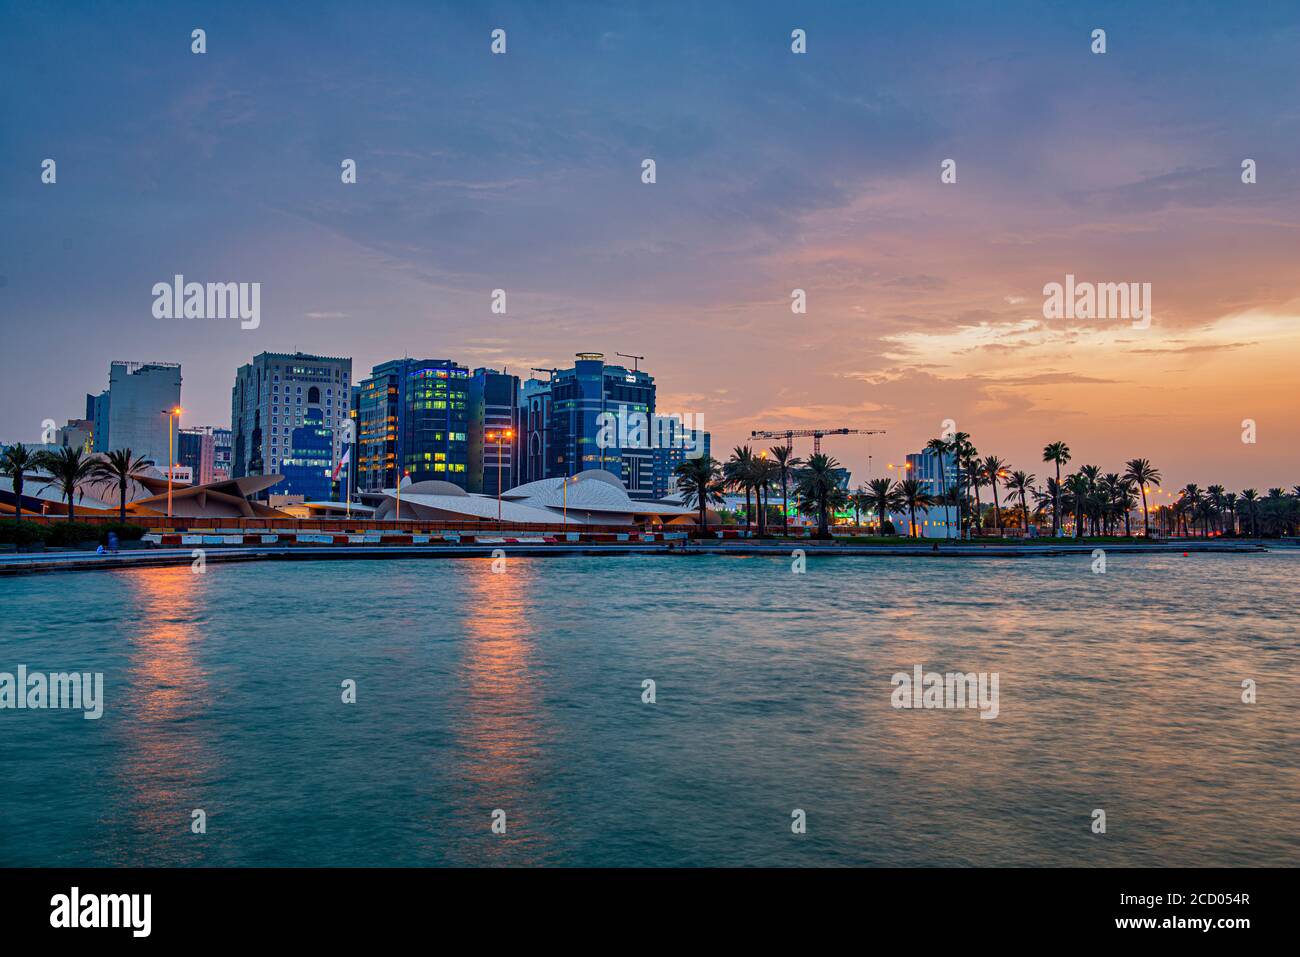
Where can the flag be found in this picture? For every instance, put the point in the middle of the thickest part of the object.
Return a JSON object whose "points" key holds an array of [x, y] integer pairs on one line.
{"points": [[347, 454]]}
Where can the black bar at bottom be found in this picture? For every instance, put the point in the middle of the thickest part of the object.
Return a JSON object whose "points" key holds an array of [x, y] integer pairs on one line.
{"points": [[209, 906]]}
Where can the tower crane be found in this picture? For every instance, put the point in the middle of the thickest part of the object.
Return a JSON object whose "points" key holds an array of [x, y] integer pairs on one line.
{"points": [[790, 434]]}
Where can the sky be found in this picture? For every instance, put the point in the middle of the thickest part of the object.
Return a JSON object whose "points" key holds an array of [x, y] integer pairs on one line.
{"points": [[775, 171]]}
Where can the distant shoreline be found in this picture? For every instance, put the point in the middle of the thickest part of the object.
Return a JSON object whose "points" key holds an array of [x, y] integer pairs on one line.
{"points": [[35, 562]]}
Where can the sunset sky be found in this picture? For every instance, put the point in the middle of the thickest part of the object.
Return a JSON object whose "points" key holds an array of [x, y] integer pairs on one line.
{"points": [[775, 171]]}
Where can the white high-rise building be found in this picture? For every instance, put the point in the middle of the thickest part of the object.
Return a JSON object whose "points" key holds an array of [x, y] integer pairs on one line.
{"points": [[140, 395]]}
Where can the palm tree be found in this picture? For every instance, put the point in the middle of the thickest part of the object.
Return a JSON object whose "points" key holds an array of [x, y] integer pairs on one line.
{"points": [[1192, 495], [1230, 512], [883, 495], [1059, 453], [700, 482], [739, 473], [69, 469], [1274, 506], [914, 496], [960, 447], [1178, 512], [993, 468], [117, 468], [1079, 487], [1214, 495], [860, 502], [16, 461], [1021, 483], [1143, 473], [818, 481], [941, 449], [974, 479], [1126, 499], [764, 470], [1046, 497], [1093, 474], [786, 465]]}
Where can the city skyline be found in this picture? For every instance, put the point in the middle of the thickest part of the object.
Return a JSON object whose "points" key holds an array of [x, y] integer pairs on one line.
{"points": [[775, 172]]}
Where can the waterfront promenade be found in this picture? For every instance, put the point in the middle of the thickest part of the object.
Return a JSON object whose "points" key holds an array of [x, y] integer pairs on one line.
{"points": [[29, 562]]}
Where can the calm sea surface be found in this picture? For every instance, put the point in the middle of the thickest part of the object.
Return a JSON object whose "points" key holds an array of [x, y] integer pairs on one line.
{"points": [[522, 691]]}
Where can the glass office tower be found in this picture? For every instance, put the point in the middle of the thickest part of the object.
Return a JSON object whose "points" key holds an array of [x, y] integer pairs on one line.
{"points": [[579, 398]]}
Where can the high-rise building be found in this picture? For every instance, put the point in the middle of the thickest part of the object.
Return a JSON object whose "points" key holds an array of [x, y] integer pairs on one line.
{"points": [[377, 409], [97, 411], [493, 411], [534, 415], [273, 396], [935, 476], [78, 434], [220, 454], [674, 444], [413, 419], [309, 466], [196, 448], [140, 396], [578, 435]]}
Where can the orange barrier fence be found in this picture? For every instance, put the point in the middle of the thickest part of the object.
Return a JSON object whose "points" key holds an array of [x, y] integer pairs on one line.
{"points": [[355, 526]]}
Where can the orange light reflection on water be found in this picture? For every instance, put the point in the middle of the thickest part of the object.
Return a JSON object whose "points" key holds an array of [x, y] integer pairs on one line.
{"points": [[166, 687], [499, 729]]}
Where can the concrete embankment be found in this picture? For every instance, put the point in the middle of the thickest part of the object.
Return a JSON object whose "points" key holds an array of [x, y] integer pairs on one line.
{"points": [[24, 563]]}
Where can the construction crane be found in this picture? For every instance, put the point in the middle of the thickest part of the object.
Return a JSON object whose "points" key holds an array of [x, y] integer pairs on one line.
{"points": [[790, 434]]}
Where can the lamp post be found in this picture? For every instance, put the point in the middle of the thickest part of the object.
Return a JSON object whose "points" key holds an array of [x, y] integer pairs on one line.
{"points": [[499, 436], [399, 493], [172, 416]]}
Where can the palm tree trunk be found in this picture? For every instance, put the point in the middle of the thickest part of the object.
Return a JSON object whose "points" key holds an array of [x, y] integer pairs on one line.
{"points": [[1146, 519], [1056, 507], [943, 495], [785, 507], [121, 508], [961, 525]]}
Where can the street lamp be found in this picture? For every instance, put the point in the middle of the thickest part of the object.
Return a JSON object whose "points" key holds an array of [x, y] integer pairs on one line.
{"points": [[499, 436], [172, 416], [399, 493]]}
